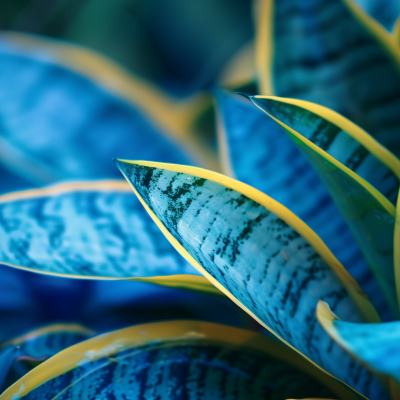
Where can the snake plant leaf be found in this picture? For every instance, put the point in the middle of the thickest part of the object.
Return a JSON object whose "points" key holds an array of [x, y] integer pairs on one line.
{"points": [[258, 253], [89, 230], [360, 174], [375, 345], [40, 344], [357, 75], [175, 360], [51, 114], [276, 167]]}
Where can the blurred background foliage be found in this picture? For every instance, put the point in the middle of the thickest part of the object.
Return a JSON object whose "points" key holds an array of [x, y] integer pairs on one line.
{"points": [[181, 45]]}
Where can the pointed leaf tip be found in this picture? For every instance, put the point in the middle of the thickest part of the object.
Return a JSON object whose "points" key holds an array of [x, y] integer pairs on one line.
{"points": [[248, 96]]}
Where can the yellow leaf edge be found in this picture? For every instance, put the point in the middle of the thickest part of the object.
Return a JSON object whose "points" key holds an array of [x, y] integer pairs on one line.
{"points": [[396, 251], [380, 152], [176, 117], [265, 46], [326, 318], [169, 332], [355, 291], [178, 281]]}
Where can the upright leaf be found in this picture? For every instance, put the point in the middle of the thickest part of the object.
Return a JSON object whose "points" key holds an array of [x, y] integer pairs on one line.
{"points": [[259, 254], [89, 230], [333, 54], [174, 360], [256, 150], [361, 176]]}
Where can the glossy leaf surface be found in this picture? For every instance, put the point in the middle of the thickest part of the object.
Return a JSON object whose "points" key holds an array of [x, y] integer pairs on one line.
{"points": [[57, 123], [346, 158], [89, 229], [257, 253], [257, 151], [176, 360], [40, 344], [375, 345], [333, 54]]}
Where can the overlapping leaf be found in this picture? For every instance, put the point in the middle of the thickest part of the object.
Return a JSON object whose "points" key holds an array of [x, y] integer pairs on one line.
{"points": [[374, 345], [361, 176], [177, 359], [92, 230], [259, 254], [40, 344], [65, 111], [333, 54], [256, 150]]}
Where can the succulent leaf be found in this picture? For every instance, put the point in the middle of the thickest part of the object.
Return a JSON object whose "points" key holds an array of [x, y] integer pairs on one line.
{"points": [[256, 252], [349, 162], [175, 359]]}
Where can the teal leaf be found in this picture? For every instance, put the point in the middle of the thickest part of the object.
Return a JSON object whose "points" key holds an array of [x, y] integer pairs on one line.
{"points": [[360, 174], [333, 54], [384, 11], [254, 255], [375, 345], [277, 167], [88, 230], [57, 123], [40, 344], [176, 360]]}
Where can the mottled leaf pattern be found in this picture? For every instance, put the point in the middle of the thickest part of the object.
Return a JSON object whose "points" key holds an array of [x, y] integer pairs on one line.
{"points": [[369, 214], [385, 12], [58, 124], [357, 75], [40, 344], [254, 256], [276, 166], [133, 363], [86, 229], [375, 345]]}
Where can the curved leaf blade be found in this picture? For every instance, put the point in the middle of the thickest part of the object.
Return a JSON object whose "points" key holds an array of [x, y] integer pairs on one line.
{"points": [[278, 168], [348, 161], [40, 344], [333, 54], [374, 345], [95, 230], [256, 252], [52, 113], [177, 358]]}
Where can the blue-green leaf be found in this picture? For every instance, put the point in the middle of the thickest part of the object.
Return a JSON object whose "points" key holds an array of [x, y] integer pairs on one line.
{"points": [[89, 230], [375, 345], [60, 122], [40, 344], [177, 360], [360, 174], [384, 11], [333, 54], [257, 151], [259, 254]]}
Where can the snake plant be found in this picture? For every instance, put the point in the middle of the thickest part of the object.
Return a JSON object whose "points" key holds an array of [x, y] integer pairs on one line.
{"points": [[269, 272]]}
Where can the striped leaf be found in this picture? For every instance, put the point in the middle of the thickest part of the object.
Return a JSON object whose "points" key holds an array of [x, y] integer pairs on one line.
{"points": [[375, 345], [256, 150], [40, 344], [176, 360], [333, 54], [66, 112], [89, 230], [385, 12], [259, 254], [361, 176]]}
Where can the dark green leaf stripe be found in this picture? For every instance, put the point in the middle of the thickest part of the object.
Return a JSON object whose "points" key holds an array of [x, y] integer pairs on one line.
{"points": [[86, 229], [257, 257], [331, 53]]}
